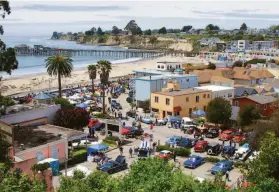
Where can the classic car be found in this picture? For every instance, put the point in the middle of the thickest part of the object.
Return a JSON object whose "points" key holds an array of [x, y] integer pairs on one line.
{"points": [[254, 155], [222, 167], [214, 148], [131, 113], [212, 133], [143, 153], [243, 152], [228, 151], [226, 135], [165, 154], [114, 166], [162, 121], [181, 141], [147, 120], [201, 146], [194, 161], [135, 131], [116, 105], [99, 126], [238, 137]]}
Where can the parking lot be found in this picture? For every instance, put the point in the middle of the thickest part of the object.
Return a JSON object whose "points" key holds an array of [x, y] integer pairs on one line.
{"points": [[161, 133]]}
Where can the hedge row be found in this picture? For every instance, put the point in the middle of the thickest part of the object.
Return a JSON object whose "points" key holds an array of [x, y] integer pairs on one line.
{"points": [[179, 151], [112, 138], [241, 165], [212, 159]]}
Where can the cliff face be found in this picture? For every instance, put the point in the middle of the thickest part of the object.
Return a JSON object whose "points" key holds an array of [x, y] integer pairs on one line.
{"points": [[135, 42]]}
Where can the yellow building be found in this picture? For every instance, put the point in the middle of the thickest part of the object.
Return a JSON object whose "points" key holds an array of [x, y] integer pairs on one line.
{"points": [[173, 101]]}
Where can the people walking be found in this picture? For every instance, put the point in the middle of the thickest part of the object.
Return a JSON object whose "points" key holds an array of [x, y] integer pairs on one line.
{"points": [[121, 150], [227, 175], [174, 156], [151, 126], [131, 152]]}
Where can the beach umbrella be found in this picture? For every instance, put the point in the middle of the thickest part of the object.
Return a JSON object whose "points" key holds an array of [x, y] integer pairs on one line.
{"points": [[82, 105], [199, 113]]}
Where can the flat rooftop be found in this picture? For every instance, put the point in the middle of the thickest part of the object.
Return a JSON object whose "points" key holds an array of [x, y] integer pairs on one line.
{"points": [[165, 76], [181, 92], [214, 88], [33, 136]]}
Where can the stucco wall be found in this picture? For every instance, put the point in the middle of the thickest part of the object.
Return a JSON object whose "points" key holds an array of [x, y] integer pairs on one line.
{"points": [[224, 94], [56, 150], [29, 115]]}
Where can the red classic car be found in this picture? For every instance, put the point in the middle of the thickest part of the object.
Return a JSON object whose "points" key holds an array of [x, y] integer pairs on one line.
{"points": [[201, 146], [238, 137], [165, 154], [226, 135]]}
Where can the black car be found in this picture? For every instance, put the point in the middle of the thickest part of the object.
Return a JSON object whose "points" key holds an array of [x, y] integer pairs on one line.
{"points": [[114, 166], [131, 113], [116, 105], [214, 149], [212, 133], [143, 153], [135, 131], [130, 100]]}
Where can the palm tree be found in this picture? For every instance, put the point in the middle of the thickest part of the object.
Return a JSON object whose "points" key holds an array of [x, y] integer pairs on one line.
{"points": [[92, 71], [104, 69], [60, 66]]}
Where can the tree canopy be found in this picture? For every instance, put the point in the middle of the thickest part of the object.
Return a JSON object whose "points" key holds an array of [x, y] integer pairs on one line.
{"points": [[115, 30], [243, 27], [211, 66], [186, 28], [237, 64], [163, 30], [218, 110], [247, 114], [100, 31], [8, 61], [147, 32], [132, 27], [212, 27]]}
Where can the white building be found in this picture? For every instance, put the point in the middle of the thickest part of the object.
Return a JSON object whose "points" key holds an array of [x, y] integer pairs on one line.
{"points": [[219, 91], [243, 45], [168, 66]]}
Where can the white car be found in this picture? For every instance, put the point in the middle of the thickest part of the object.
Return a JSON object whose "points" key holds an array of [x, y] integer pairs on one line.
{"points": [[83, 143], [254, 155], [242, 152]]}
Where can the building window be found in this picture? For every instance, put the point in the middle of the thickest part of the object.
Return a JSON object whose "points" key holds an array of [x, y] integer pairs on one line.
{"points": [[169, 113], [265, 106], [197, 99], [257, 106], [176, 113], [204, 96], [156, 99], [236, 103], [190, 111], [204, 108], [167, 101], [229, 95], [208, 96], [187, 99]]}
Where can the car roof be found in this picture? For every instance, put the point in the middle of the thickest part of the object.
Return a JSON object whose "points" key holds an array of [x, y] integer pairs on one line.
{"points": [[165, 151], [224, 161], [194, 156], [213, 144], [227, 131]]}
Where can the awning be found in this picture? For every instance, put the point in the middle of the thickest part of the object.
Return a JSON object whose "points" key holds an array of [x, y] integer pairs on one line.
{"points": [[177, 109]]}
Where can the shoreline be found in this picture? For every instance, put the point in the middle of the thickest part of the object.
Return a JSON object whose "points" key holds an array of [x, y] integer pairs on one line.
{"points": [[34, 83]]}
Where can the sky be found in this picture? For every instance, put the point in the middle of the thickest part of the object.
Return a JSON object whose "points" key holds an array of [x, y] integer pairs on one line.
{"points": [[43, 17]]}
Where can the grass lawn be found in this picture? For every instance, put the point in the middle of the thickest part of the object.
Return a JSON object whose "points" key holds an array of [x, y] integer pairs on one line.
{"points": [[109, 144]]}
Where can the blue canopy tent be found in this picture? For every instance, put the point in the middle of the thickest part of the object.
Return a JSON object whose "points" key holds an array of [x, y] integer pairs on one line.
{"points": [[96, 148], [199, 113], [42, 96], [82, 105], [52, 95]]}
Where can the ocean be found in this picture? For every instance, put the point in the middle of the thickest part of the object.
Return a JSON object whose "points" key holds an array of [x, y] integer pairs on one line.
{"points": [[31, 65]]}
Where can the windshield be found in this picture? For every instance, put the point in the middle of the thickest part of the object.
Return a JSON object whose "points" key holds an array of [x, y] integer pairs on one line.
{"points": [[227, 133], [219, 165], [162, 153], [193, 159]]}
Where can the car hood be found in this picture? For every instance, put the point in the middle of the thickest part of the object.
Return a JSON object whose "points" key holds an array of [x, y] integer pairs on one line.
{"points": [[106, 166], [216, 168], [189, 162], [242, 150]]}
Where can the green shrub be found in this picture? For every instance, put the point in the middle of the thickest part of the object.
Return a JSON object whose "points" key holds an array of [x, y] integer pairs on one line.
{"points": [[112, 138], [212, 159], [63, 102], [180, 151], [241, 165], [6, 101], [78, 156]]}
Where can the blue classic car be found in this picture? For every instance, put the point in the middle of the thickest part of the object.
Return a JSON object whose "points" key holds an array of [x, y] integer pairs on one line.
{"points": [[114, 166], [181, 141], [147, 120], [222, 167], [228, 151], [194, 161]]}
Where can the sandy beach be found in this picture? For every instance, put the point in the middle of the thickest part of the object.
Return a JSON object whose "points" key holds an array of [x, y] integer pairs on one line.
{"points": [[29, 83]]}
